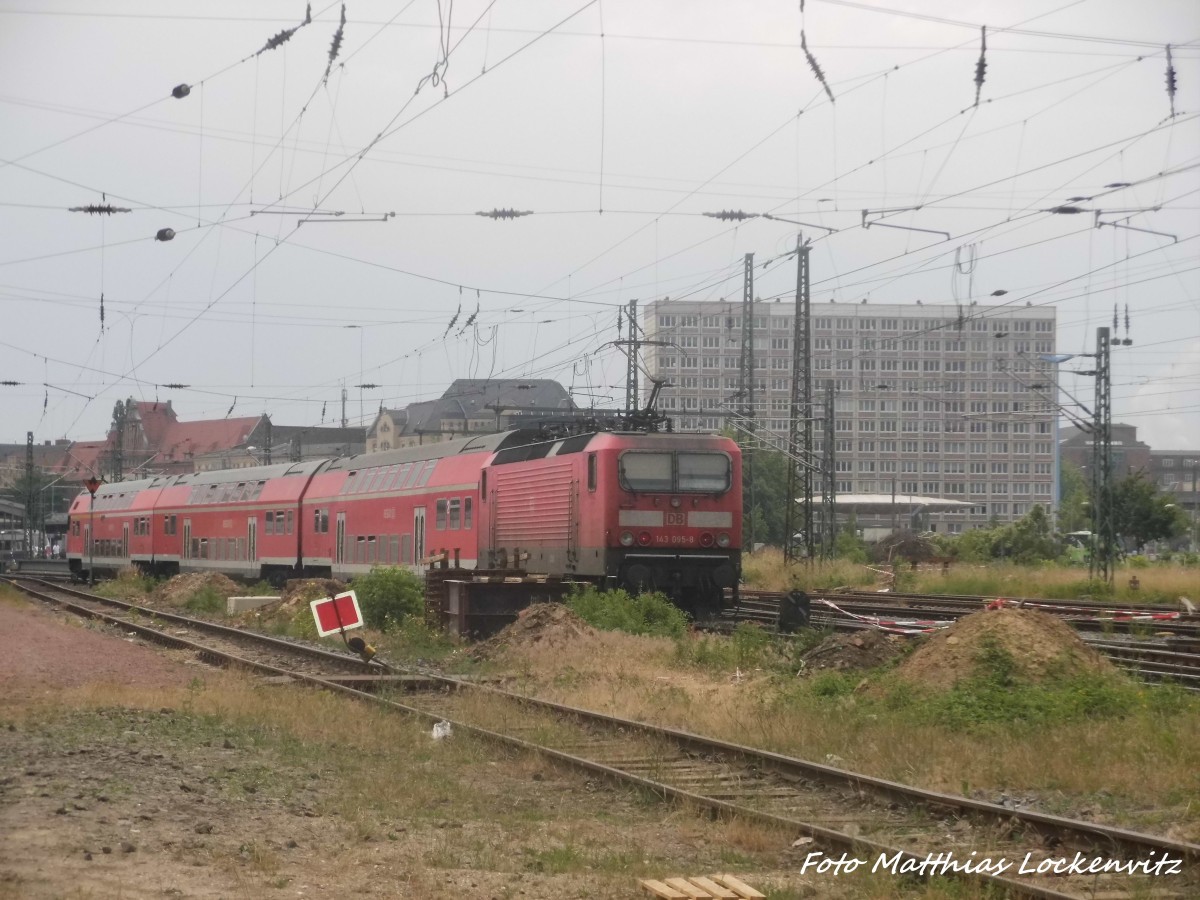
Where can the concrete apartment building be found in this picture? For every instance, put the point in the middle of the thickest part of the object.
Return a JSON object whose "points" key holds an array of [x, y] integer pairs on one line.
{"points": [[938, 404]]}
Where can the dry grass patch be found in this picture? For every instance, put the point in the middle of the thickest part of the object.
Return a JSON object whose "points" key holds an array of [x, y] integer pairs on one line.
{"points": [[1158, 582], [1097, 746]]}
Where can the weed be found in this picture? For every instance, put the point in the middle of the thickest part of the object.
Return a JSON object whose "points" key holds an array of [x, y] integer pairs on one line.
{"points": [[206, 600], [130, 584], [651, 614], [556, 860]]}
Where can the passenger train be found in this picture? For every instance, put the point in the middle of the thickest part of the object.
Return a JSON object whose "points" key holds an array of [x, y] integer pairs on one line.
{"points": [[638, 510]]}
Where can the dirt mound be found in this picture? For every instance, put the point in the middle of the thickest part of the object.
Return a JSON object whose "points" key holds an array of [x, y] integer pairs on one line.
{"points": [[178, 590], [1039, 646], [546, 624], [305, 590], [853, 652], [293, 601]]}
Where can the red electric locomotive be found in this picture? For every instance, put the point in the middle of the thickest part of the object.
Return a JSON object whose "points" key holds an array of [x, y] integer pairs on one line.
{"points": [[640, 510]]}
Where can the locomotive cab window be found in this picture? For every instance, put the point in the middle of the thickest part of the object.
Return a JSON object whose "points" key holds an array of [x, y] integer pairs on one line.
{"points": [[700, 473], [646, 471], [704, 472]]}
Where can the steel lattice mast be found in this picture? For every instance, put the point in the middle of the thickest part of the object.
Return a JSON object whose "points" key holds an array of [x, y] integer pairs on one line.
{"points": [[746, 387], [1104, 525], [800, 433], [828, 481]]}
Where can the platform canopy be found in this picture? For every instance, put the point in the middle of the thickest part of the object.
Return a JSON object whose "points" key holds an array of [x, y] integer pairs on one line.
{"points": [[886, 503]]}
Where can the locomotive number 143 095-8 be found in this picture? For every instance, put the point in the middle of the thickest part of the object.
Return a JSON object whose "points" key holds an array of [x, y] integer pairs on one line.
{"points": [[674, 539]]}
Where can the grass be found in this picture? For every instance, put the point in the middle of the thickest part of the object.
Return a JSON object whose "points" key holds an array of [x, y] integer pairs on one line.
{"points": [[1158, 583], [129, 585], [207, 600], [1064, 741]]}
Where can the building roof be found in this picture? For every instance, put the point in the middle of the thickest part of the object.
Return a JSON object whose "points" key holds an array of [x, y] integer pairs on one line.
{"points": [[184, 440], [469, 398]]}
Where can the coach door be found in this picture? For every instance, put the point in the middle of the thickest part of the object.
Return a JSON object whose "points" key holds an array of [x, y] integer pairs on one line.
{"points": [[339, 551], [187, 538], [418, 534], [252, 539]]}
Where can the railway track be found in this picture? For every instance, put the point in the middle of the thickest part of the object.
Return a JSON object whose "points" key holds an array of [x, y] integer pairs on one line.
{"points": [[831, 811], [1174, 655]]}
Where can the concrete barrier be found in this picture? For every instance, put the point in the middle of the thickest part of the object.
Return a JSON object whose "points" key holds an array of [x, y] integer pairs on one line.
{"points": [[241, 604]]}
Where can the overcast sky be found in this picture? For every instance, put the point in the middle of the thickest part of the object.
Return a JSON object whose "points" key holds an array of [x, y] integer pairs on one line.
{"points": [[652, 112]]}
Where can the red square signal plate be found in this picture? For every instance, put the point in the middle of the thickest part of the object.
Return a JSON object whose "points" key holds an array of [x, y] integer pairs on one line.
{"points": [[336, 614]]}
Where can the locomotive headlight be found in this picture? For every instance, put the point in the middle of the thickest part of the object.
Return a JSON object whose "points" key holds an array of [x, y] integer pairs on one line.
{"points": [[626, 538], [675, 502], [706, 539], [644, 539], [722, 540]]}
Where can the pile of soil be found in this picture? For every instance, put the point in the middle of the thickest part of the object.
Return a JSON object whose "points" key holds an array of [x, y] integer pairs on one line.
{"points": [[1039, 644], [546, 624], [294, 599], [305, 590], [178, 590], [853, 652]]}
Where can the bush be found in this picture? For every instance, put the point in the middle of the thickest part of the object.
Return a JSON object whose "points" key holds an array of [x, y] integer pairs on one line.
{"points": [[617, 610], [388, 595]]}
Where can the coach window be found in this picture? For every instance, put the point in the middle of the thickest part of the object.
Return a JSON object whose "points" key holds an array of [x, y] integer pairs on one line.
{"points": [[467, 513], [324, 521], [454, 506], [707, 472], [289, 520], [441, 516], [426, 471], [591, 471], [269, 523]]}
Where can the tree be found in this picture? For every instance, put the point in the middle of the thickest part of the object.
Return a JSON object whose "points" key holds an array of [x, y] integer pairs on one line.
{"points": [[1143, 513], [1028, 540], [1073, 512], [769, 477]]}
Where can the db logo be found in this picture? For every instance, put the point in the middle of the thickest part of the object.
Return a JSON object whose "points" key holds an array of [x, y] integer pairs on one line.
{"points": [[675, 518]]}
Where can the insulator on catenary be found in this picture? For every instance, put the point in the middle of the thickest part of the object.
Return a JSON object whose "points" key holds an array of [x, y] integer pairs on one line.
{"points": [[505, 213], [100, 209], [336, 44], [981, 65], [180, 91], [816, 68], [1171, 80], [165, 234]]}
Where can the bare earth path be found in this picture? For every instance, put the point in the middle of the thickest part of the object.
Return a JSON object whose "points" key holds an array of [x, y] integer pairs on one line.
{"points": [[131, 772]]}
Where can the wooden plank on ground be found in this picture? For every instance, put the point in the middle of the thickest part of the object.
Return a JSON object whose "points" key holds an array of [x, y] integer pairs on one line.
{"points": [[658, 889], [685, 887], [720, 893], [742, 889]]}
